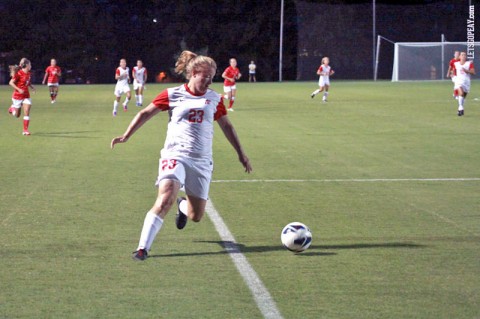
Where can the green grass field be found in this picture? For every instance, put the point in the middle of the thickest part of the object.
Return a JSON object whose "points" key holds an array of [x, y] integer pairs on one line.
{"points": [[365, 171]]}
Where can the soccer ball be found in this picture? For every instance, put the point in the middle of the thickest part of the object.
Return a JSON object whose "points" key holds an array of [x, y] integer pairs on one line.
{"points": [[296, 237]]}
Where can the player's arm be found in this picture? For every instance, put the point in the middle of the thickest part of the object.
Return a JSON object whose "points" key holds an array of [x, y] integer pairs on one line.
{"points": [[225, 76], [12, 84], [117, 75], [45, 78], [133, 74], [145, 75], [331, 72], [239, 76], [232, 137], [471, 70], [141, 118], [449, 71], [32, 87]]}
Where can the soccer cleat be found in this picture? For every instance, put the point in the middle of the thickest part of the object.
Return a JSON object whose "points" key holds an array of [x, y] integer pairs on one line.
{"points": [[26, 132], [140, 255], [231, 109], [53, 102], [114, 113], [460, 113], [10, 110], [181, 217], [312, 95], [125, 108]]}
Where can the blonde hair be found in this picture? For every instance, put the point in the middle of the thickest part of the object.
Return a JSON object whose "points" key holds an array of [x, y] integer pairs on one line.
{"points": [[188, 62], [15, 68]]}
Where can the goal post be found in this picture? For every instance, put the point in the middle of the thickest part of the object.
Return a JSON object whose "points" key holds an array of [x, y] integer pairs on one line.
{"points": [[426, 61]]}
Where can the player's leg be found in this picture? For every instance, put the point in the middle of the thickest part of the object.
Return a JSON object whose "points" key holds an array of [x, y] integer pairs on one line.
{"points": [[325, 94], [26, 115], [140, 96], [16, 107], [137, 96], [233, 92], [55, 92], [461, 99], [52, 93], [167, 194], [128, 95], [197, 186], [171, 176], [228, 92], [118, 95]]}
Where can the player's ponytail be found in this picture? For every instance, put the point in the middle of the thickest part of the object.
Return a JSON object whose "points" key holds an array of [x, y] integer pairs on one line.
{"points": [[189, 61], [13, 69]]}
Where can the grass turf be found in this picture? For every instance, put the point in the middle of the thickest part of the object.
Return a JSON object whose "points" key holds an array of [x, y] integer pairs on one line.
{"points": [[71, 209]]}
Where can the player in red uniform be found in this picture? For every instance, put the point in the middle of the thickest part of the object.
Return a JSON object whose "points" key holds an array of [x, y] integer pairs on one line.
{"points": [[452, 72], [186, 158], [231, 75], [52, 74], [21, 96]]}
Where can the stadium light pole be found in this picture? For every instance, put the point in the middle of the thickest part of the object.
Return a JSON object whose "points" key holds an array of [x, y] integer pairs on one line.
{"points": [[280, 54]]}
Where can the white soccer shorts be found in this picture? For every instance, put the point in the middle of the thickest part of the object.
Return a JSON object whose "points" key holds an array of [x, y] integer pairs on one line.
{"points": [[194, 174], [121, 89], [18, 103], [227, 89]]}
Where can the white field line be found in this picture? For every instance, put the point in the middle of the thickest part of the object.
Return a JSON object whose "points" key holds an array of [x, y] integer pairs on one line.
{"points": [[262, 297], [351, 180]]}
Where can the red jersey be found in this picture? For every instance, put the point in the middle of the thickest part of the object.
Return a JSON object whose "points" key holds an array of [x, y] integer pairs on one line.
{"points": [[53, 73], [231, 73], [22, 80], [452, 66]]}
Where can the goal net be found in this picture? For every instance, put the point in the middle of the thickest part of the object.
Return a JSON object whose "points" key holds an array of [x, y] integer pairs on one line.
{"points": [[421, 61]]}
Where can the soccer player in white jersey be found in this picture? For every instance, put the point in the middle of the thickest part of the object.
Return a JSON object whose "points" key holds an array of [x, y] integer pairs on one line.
{"points": [[464, 69], [139, 74], [122, 75], [186, 158], [324, 71]]}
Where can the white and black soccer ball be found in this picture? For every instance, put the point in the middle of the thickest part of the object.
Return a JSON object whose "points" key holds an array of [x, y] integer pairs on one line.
{"points": [[296, 237]]}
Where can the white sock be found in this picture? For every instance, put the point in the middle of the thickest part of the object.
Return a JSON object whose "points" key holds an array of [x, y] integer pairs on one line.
{"points": [[137, 99], [316, 92], [461, 99], [126, 101], [184, 207], [151, 227], [140, 99], [225, 97], [325, 94]]}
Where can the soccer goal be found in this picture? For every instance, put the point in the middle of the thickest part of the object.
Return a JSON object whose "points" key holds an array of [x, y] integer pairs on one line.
{"points": [[424, 61]]}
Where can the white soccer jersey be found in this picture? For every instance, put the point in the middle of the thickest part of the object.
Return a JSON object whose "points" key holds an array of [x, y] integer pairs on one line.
{"points": [[140, 74], [324, 78], [190, 127], [462, 80], [124, 76]]}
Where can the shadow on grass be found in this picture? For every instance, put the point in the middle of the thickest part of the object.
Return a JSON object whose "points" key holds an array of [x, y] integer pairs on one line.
{"points": [[76, 134], [235, 248]]}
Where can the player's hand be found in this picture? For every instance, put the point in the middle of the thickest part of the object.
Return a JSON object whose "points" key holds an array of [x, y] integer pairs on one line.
{"points": [[246, 163], [21, 91], [118, 139]]}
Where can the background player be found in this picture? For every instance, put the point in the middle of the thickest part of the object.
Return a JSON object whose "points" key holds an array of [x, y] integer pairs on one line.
{"points": [[231, 75], [139, 74], [186, 159], [324, 71], [122, 75], [251, 72], [451, 72], [52, 73], [463, 69], [21, 81]]}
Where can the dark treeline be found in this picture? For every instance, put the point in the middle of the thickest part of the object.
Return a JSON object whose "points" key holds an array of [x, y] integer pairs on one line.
{"points": [[89, 37]]}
